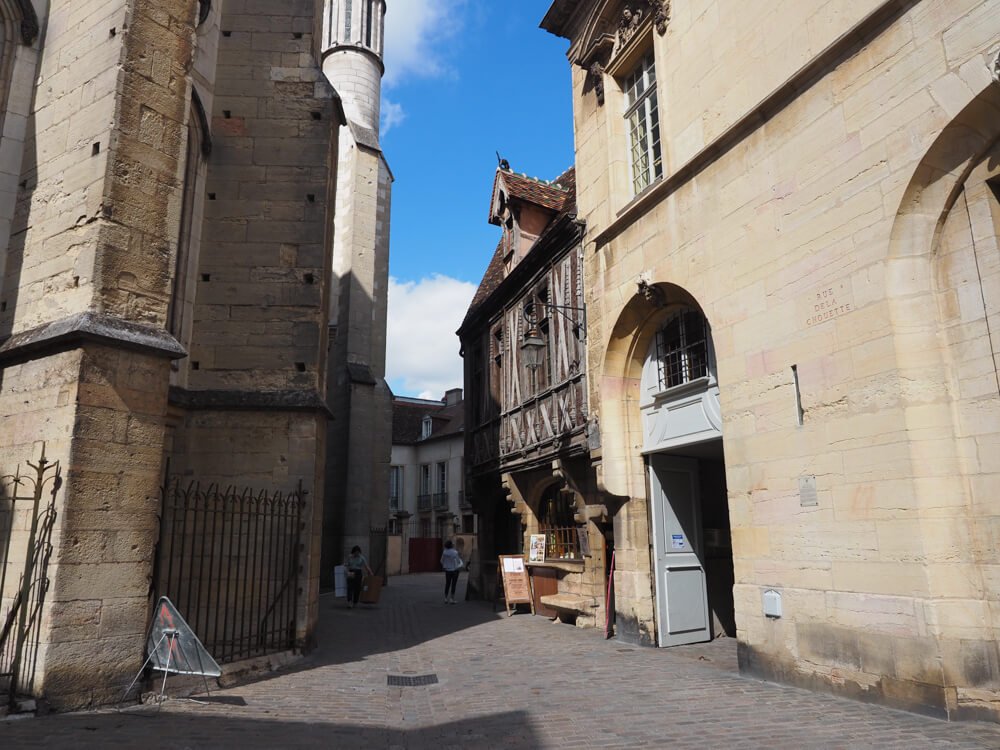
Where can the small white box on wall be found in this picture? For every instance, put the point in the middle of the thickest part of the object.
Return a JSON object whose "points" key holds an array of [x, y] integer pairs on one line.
{"points": [[772, 603]]}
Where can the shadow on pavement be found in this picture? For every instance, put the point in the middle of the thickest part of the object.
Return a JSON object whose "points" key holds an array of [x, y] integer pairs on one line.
{"points": [[166, 729], [411, 611]]}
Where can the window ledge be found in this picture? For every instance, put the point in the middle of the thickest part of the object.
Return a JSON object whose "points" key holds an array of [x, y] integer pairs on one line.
{"points": [[692, 386], [570, 566], [639, 197]]}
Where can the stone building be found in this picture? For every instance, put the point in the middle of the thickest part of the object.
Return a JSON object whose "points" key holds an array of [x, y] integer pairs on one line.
{"points": [[359, 438], [792, 276], [168, 185], [523, 342], [427, 501]]}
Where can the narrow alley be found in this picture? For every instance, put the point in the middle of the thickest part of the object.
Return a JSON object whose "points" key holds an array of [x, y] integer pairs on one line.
{"points": [[495, 681]]}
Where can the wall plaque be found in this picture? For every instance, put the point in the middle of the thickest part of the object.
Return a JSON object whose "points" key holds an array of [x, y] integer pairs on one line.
{"points": [[826, 303]]}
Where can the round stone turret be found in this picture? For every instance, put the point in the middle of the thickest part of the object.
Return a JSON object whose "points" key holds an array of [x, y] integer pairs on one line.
{"points": [[353, 38]]}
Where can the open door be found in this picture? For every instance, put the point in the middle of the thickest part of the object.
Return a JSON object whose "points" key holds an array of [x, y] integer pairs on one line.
{"points": [[681, 591]]}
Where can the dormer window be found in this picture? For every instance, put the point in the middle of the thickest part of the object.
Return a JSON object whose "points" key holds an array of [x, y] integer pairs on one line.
{"points": [[426, 427]]}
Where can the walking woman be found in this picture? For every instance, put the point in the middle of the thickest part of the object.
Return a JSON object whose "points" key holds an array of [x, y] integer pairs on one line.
{"points": [[357, 566], [452, 563]]}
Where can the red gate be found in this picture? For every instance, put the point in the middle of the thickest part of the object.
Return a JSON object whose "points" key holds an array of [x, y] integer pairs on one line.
{"points": [[425, 554]]}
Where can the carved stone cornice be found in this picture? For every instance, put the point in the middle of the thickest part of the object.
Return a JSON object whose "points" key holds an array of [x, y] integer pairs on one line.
{"points": [[610, 31]]}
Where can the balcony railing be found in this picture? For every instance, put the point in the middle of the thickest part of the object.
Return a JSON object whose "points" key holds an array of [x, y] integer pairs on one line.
{"points": [[440, 500], [463, 502], [423, 502]]}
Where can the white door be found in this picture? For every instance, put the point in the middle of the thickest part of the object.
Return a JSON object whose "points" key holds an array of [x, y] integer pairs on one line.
{"points": [[681, 593]]}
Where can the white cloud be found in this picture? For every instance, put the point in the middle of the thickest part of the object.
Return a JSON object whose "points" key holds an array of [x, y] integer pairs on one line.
{"points": [[416, 36], [392, 115], [421, 347]]}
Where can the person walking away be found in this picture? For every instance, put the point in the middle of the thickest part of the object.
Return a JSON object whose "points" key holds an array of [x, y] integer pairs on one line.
{"points": [[452, 563], [357, 565]]}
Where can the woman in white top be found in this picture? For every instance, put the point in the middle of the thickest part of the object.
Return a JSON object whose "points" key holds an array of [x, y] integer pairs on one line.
{"points": [[452, 563]]}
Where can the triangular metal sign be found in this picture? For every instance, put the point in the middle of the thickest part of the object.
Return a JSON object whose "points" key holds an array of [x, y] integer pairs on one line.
{"points": [[174, 648]]}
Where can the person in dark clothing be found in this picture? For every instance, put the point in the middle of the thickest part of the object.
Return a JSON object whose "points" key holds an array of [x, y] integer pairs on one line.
{"points": [[357, 566]]}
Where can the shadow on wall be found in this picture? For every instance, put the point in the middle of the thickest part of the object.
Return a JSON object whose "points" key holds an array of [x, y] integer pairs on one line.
{"points": [[356, 394], [13, 263]]}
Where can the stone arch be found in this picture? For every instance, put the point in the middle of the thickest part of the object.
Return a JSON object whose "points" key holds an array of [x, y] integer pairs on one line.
{"points": [[938, 179], [928, 363], [932, 192], [618, 387]]}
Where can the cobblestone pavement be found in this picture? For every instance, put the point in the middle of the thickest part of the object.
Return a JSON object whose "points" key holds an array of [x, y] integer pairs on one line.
{"points": [[518, 682]]}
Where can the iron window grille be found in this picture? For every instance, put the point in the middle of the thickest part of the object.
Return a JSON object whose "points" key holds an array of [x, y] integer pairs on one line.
{"points": [[682, 349], [562, 541], [643, 120]]}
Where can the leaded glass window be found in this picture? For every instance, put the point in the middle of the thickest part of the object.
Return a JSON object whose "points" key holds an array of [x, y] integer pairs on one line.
{"points": [[643, 121]]}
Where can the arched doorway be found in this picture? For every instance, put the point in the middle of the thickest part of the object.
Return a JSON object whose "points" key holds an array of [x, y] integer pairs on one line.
{"points": [[689, 510]]}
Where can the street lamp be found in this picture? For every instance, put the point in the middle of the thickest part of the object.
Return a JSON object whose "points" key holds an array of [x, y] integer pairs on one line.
{"points": [[533, 347]]}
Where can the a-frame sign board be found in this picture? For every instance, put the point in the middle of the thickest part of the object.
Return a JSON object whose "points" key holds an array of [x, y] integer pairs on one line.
{"points": [[173, 648], [515, 581]]}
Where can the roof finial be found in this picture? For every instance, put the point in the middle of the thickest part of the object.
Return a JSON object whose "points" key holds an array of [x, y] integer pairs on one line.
{"points": [[504, 164]]}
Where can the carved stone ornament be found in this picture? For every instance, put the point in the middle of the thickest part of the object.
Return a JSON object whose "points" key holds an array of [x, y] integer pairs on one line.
{"points": [[661, 16], [995, 68], [635, 13], [29, 22], [596, 74], [652, 294]]}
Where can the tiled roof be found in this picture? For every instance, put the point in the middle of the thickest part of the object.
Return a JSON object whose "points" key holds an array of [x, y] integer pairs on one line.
{"points": [[549, 195], [408, 417], [492, 277], [565, 186]]}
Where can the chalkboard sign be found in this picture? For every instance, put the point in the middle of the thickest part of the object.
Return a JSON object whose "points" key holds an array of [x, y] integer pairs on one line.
{"points": [[516, 585]]}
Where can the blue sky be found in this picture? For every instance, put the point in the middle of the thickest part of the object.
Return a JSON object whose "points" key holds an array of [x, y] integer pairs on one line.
{"points": [[464, 79]]}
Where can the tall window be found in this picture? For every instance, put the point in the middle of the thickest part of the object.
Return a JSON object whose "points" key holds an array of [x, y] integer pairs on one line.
{"points": [[643, 122], [395, 486], [682, 349], [347, 19], [368, 23], [426, 427], [442, 477], [424, 496], [181, 306]]}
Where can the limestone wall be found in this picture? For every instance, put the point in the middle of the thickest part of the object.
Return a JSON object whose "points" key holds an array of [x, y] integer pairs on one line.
{"points": [[251, 412], [808, 238]]}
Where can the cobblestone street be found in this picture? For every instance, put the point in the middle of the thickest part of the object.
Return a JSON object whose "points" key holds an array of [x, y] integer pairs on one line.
{"points": [[519, 682]]}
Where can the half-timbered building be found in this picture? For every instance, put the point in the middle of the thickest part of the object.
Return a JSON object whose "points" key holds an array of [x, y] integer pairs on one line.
{"points": [[527, 457]]}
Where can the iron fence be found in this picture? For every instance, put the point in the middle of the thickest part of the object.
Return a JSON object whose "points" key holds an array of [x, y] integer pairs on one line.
{"points": [[27, 562], [440, 501], [230, 560]]}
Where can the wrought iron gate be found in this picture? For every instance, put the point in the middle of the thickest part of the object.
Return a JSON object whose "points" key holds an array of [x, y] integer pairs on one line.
{"points": [[25, 549], [229, 559]]}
